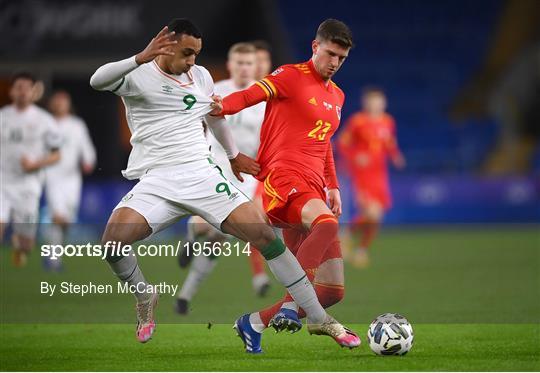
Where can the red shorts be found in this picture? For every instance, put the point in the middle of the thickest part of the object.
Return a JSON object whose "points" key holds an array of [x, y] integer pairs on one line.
{"points": [[285, 194], [373, 190]]}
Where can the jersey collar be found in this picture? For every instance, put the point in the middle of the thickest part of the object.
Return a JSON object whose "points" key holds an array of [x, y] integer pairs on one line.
{"points": [[189, 75], [327, 85]]}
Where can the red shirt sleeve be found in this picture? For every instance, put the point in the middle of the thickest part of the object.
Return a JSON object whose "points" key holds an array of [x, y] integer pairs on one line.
{"points": [[240, 100], [392, 146], [330, 169], [276, 85]]}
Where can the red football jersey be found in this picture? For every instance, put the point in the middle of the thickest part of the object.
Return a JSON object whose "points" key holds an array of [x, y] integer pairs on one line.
{"points": [[366, 142], [302, 113]]}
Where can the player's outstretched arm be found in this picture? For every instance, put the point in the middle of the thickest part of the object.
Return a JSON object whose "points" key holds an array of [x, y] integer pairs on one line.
{"points": [[394, 152], [110, 75], [238, 101]]}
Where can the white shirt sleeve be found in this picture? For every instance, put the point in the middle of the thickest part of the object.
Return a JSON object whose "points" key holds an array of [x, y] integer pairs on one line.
{"points": [[218, 125], [207, 82], [221, 131], [114, 77], [52, 136], [88, 151]]}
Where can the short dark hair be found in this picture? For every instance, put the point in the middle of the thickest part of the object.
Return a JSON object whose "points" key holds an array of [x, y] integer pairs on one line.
{"points": [[336, 32], [262, 45], [183, 26], [23, 75]]}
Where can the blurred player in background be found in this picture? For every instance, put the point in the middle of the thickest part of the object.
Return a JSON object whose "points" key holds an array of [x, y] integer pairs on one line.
{"points": [[297, 167], [368, 139], [30, 142], [167, 98], [63, 180], [264, 58], [245, 127]]}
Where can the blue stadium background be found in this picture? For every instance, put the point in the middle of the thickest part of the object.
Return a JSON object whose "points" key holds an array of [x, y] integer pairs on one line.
{"points": [[422, 53]]}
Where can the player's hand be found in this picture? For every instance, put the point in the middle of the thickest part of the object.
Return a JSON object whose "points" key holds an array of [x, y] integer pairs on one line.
{"points": [[399, 162], [217, 106], [245, 164], [334, 199], [158, 46], [29, 165], [87, 168]]}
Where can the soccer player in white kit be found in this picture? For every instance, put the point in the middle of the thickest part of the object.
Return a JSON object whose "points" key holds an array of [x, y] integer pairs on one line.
{"points": [[245, 127], [167, 97], [29, 143], [264, 58], [63, 180]]}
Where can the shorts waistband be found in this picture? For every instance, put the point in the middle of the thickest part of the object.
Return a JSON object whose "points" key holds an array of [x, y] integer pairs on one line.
{"points": [[187, 169]]}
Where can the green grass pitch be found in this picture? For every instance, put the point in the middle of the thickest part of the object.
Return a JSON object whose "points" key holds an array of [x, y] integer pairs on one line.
{"points": [[471, 294]]}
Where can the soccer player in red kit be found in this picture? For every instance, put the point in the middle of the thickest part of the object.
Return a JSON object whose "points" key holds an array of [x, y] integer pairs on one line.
{"points": [[297, 168], [368, 140]]}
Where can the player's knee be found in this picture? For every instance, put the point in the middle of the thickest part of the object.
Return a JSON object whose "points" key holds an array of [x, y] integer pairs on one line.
{"points": [[60, 220], [374, 213], [328, 224], [118, 233], [23, 242], [114, 236]]}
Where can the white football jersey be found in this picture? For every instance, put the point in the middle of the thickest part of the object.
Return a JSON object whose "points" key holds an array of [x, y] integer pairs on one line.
{"points": [[245, 125], [165, 115], [30, 133], [76, 147]]}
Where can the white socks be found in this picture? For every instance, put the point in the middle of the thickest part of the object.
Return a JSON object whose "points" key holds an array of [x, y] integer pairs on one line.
{"points": [[127, 270], [289, 272], [201, 267]]}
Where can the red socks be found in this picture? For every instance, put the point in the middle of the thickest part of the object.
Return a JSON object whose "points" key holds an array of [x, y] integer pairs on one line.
{"points": [[328, 295], [310, 249]]}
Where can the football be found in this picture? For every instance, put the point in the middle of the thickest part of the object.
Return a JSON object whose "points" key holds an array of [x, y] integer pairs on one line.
{"points": [[390, 334]]}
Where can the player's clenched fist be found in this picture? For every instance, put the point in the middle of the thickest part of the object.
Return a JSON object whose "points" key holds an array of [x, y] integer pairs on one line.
{"points": [[158, 46], [217, 105], [245, 164]]}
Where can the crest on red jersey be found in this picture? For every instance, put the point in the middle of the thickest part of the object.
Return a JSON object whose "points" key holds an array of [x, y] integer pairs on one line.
{"points": [[277, 71], [338, 112]]}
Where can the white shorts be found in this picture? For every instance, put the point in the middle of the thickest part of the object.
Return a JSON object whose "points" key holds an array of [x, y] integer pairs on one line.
{"points": [[63, 197], [165, 195], [20, 207], [248, 187]]}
